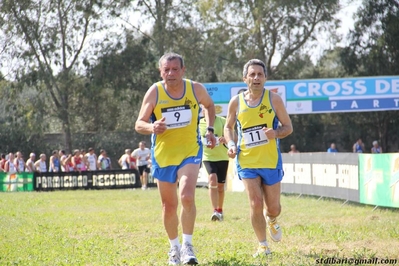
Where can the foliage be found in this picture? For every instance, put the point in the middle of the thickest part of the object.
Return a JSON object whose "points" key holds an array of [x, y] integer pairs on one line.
{"points": [[106, 228], [269, 30], [374, 51], [50, 37], [299, 66], [115, 86], [21, 119]]}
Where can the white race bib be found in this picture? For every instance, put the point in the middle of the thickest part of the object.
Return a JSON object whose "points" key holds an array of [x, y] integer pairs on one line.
{"points": [[254, 136], [205, 141], [177, 116]]}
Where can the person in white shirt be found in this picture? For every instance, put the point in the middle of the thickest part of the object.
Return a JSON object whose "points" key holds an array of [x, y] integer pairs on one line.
{"points": [[30, 163], [127, 161], [19, 162], [91, 158], [142, 155], [10, 167], [41, 164]]}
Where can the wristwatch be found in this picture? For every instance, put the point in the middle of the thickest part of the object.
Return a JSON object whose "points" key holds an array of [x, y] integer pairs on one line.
{"points": [[210, 129]]}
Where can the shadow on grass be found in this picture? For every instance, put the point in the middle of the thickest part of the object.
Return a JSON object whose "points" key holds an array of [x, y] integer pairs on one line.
{"points": [[232, 262], [342, 201]]}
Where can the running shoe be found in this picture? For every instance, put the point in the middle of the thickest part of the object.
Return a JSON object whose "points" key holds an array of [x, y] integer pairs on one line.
{"points": [[274, 229], [262, 251], [187, 255], [217, 216], [174, 256]]}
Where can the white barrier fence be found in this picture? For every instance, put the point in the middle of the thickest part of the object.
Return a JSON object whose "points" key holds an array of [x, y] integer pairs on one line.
{"points": [[332, 175]]}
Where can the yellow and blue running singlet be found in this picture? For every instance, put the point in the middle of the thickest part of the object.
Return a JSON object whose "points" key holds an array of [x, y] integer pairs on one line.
{"points": [[254, 150], [181, 140]]}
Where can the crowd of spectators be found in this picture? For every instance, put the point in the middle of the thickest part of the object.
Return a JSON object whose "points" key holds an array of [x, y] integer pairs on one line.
{"points": [[358, 147], [60, 161]]}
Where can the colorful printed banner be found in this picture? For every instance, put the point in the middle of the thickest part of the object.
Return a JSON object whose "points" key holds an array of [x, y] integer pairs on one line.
{"points": [[320, 95], [379, 179], [16, 182]]}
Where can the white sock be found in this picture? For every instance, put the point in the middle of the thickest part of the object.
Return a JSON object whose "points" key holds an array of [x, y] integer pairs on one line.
{"points": [[174, 242], [263, 243], [187, 239]]}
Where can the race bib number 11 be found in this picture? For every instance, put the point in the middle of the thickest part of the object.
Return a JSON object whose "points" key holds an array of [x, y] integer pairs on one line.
{"points": [[177, 116], [254, 136]]}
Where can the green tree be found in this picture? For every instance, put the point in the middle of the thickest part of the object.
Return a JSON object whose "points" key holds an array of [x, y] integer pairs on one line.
{"points": [[22, 120], [177, 26], [374, 47], [272, 31], [374, 51], [116, 84], [50, 38]]}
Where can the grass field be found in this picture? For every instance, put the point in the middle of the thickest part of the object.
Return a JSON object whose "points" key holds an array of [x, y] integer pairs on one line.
{"points": [[124, 227]]}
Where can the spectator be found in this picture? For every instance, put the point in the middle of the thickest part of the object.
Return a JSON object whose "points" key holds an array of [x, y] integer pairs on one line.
{"points": [[66, 161], [91, 159], [85, 163], [376, 148], [2, 162], [9, 165], [19, 162], [30, 163], [332, 148], [104, 162], [55, 165], [41, 164], [358, 147], [142, 154], [127, 161], [77, 162], [293, 149]]}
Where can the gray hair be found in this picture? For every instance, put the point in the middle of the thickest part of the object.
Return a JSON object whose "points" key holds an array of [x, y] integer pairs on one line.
{"points": [[252, 62], [170, 57]]}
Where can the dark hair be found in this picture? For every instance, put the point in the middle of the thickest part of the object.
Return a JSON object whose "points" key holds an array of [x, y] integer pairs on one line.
{"points": [[252, 62], [170, 57], [54, 152], [3, 156], [62, 151]]}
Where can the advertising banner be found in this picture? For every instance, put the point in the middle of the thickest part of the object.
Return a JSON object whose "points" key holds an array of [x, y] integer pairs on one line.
{"points": [[16, 182], [379, 179], [333, 175], [320, 95], [107, 179]]}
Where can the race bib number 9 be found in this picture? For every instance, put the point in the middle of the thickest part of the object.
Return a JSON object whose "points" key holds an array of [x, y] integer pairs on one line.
{"points": [[254, 136], [177, 116]]}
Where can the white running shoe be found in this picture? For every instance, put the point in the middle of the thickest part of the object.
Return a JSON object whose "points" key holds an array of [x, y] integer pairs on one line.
{"points": [[217, 216], [262, 251], [187, 254], [174, 256], [274, 229]]}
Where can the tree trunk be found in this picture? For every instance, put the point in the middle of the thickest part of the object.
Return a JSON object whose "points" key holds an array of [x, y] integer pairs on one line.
{"points": [[66, 127]]}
